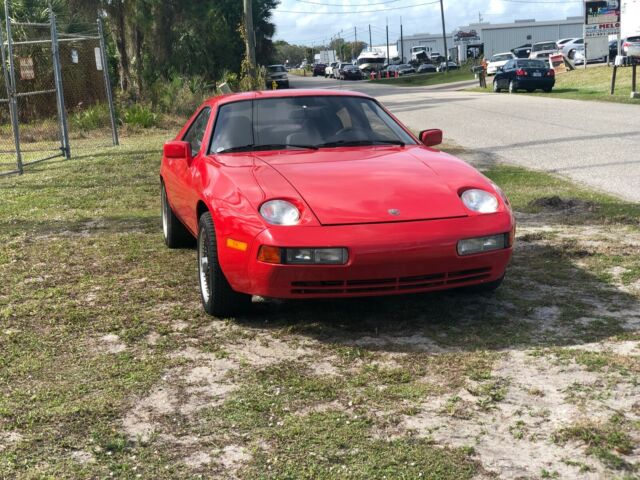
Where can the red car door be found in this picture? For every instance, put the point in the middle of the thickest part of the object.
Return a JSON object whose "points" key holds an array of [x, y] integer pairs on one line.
{"points": [[183, 189]]}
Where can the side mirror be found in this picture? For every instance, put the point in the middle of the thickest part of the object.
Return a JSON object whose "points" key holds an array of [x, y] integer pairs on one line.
{"points": [[431, 138], [178, 151]]}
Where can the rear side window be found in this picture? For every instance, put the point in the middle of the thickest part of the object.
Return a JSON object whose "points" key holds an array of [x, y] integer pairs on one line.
{"points": [[195, 134]]}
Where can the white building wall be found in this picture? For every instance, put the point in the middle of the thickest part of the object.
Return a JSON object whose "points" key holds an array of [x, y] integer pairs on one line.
{"points": [[498, 40]]}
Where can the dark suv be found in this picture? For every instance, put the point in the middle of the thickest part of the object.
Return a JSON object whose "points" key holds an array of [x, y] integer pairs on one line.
{"points": [[318, 69]]}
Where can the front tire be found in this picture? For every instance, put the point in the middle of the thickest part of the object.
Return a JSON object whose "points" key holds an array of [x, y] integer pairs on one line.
{"points": [[496, 88], [174, 232], [512, 87], [218, 298], [547, 90]]}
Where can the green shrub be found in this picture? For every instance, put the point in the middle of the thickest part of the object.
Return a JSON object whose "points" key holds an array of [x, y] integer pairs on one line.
{"points": [[140, 116], [180, 96], [92, 118]]}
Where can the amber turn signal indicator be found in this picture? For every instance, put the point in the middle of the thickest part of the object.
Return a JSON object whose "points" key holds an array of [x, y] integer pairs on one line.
{"points": [[269, 254]]}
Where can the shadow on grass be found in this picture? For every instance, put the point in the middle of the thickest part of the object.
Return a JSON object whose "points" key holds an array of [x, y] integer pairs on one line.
{"points": [[545, 301]]}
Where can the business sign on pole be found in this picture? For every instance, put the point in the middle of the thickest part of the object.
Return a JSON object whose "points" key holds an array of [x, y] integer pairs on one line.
{"points": [[601, 18], [630, 18]]}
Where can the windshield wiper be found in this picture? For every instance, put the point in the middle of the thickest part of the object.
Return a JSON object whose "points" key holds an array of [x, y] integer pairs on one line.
{"points": [[271, 146], [360, 143]]}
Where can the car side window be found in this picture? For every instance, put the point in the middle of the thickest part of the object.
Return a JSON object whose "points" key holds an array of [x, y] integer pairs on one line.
{"points": [[195, 134]]}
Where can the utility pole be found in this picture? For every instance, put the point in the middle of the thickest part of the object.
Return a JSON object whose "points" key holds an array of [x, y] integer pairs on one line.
{"points": [[388, 59], [401, 42], [355, 43], [479, 17], [371, 44], [444, 39], [251, 38]]}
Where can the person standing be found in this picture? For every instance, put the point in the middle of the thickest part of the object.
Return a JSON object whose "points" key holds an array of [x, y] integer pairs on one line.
{"points": [[483, 72]]}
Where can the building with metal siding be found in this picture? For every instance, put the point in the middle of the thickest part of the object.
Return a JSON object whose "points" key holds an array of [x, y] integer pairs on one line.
{"points": [[498, 38]]}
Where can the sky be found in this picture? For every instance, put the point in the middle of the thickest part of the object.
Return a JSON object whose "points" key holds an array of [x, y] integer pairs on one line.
{"points": [[315, 24]]}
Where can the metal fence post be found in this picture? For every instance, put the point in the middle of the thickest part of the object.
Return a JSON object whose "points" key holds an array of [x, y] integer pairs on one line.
{"points": [[57, 73], [10, 80], [107, 83]]}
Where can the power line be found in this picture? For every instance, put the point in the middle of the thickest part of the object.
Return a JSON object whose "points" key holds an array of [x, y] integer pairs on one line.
{"points": [[343, 5], [362, 11]]}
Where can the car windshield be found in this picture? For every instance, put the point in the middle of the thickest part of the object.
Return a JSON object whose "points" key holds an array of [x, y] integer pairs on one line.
{"points": [[304, 122], [501, 58], [531, 64], [276, 68], [540, 47]]}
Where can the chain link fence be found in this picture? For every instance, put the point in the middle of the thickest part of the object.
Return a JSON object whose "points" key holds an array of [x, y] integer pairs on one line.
{"points": [[59, 100], [7, 146]]}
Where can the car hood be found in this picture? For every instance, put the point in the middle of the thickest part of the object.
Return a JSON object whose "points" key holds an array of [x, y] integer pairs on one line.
{"points": [[374, 185]]}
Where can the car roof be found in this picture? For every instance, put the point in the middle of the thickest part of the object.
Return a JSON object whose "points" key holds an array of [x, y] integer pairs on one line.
{"points": [[235, 97]]}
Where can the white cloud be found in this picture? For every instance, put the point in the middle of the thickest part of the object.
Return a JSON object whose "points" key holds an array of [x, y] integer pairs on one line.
{"points": [[318, 27]]}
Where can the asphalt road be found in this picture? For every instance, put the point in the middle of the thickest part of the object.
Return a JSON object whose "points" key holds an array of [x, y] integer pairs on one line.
{"points": [[594, 143]]}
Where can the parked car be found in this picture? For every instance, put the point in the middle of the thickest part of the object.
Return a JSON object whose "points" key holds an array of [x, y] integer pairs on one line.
{"points": [[350, 72], [523, 51], [405, 69], [542, 50], [630, 42], [562, 42], [427, 68], [499, 60], [337, 70], [569, 48], [319, 69], [328, 72], [521, 74], [289, 195], [391, 69], [452, 66], [278, 74], [436, 57]]}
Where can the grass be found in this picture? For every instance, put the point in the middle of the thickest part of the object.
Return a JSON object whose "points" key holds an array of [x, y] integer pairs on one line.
{"points": [[97, 314], [604, 440], [421, 80], [594, 83]]}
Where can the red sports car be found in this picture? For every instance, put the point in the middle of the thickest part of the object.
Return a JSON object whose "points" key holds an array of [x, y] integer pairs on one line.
{"points": [[312, 194]]}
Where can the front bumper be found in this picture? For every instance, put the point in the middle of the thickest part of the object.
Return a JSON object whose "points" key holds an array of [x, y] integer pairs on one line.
{"points": [[384, 259]]}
